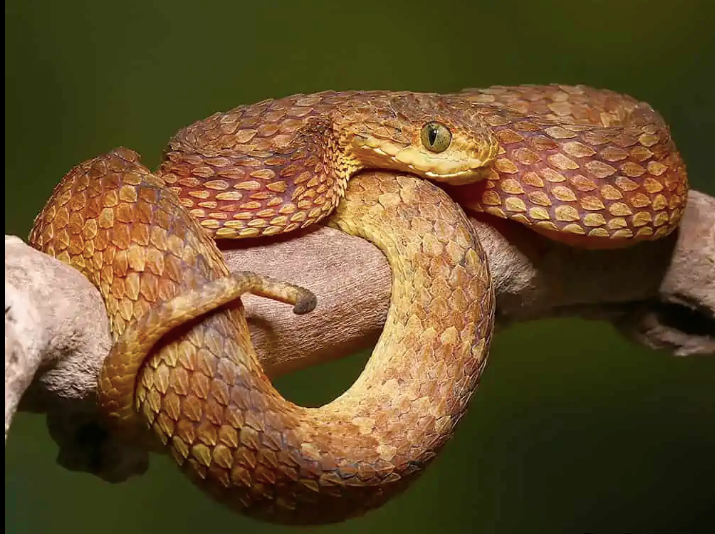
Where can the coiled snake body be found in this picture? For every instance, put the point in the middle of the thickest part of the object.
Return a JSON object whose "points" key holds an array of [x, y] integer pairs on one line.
{"points": [[588, 167]]}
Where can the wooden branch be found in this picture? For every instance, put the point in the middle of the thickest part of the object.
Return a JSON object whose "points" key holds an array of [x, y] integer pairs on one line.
{"points": [[659, 294]]}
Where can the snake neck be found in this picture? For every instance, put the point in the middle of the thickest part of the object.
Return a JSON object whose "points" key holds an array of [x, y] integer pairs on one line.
{"points": [[339, 162]]}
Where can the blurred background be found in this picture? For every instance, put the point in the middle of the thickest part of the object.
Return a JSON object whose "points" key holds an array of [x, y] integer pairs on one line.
{"points": [[573, 430]]}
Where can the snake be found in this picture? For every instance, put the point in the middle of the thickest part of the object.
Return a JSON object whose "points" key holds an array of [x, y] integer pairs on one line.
{"points": [[586, 167]]}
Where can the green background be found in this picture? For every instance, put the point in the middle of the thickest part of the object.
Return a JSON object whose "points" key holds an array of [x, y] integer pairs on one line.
{"points": [[573, 429]]}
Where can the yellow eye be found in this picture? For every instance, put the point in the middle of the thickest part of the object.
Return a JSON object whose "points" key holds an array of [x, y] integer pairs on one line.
{"points": [[436, 137]]}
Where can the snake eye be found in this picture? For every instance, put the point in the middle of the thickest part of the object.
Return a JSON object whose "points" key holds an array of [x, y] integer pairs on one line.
{"points": [[436, 137]]}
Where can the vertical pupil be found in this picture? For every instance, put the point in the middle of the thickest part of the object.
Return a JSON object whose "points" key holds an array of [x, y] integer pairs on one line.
{"points": [[432, 135]]}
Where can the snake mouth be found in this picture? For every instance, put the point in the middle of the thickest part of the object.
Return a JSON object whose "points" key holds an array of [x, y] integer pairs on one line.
{"points": [[454, 166]]}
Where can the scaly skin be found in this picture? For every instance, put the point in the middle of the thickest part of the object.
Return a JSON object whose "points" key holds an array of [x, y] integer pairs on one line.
{"points": [[588, 167]]}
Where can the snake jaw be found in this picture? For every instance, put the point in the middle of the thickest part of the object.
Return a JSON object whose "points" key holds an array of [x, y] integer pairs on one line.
{"points": [[453, 169], [462, 163]]}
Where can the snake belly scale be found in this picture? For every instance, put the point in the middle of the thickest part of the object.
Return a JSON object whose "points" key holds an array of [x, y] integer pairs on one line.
{"points": [[591, 168]]}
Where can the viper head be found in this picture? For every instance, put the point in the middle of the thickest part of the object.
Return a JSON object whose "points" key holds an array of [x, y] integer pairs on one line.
{"points": [[441, 138]]}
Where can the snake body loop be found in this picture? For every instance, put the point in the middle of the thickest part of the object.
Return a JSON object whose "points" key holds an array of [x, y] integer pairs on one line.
{"points": [[588, 167]]}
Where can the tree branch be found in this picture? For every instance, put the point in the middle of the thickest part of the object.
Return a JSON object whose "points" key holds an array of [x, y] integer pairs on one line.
{"points": [[659, 294]]}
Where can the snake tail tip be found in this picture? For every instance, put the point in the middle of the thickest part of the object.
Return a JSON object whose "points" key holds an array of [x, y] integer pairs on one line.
{"points": [[306, 303]]}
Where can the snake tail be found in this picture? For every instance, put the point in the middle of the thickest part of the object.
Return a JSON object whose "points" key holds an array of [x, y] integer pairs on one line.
{"points": [[129, 351]]}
